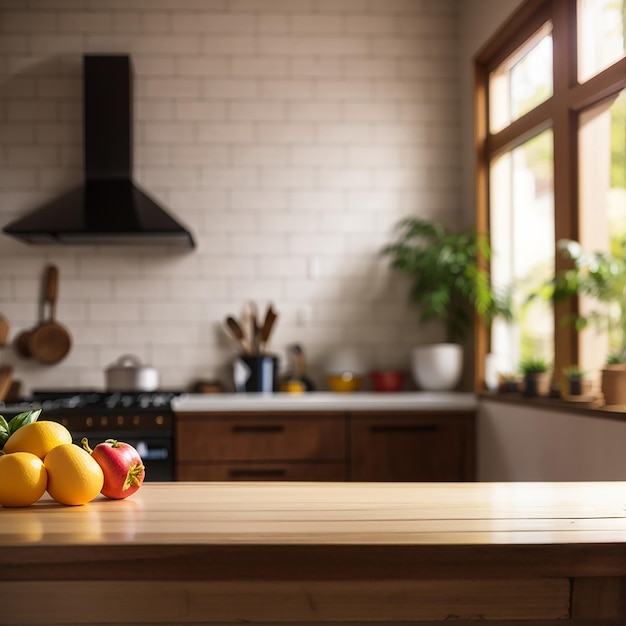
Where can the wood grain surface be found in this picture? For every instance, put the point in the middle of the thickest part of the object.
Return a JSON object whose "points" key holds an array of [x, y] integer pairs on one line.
{"points": [[514, 553]]}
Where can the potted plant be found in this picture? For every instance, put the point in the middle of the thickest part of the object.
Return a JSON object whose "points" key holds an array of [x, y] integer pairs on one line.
{"points": [[537, 377], [448, 284], [614, 379], [600, 276], [508, 382], [575, 378]]}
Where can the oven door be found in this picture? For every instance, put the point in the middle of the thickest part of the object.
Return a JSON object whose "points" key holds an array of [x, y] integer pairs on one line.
{"points": [[156, 452]]}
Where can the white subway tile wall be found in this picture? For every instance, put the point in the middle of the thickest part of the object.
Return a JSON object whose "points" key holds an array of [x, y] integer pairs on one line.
{"points": [[290, 136]]}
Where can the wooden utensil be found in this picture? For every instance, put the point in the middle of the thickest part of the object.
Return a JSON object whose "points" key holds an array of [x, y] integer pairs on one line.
{"points": [[4, 330], [6, 376], [253, 323], [50, 342], [266, 329], [248, 326], [22, 341], [237, 332]]}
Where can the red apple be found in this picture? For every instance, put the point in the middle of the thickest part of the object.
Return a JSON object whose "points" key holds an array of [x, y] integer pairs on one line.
{"points": [[122, 466]]}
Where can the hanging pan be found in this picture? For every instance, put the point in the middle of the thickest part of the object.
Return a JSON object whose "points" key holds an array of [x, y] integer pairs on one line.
{"points": [[50, 342]]}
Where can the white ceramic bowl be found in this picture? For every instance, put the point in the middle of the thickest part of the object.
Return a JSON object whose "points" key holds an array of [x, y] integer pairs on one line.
{"points": [[437, 367]]}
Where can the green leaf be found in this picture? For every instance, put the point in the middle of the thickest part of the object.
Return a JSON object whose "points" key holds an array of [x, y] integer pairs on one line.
{"points": [[4, 431], [28, 417], [448, 280]]}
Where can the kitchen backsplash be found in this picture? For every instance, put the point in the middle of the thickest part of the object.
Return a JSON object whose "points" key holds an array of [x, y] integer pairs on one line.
{"points": [[288, 135]]}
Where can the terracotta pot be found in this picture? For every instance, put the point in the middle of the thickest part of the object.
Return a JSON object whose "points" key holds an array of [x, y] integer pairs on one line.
{"points": [[614, 383]]}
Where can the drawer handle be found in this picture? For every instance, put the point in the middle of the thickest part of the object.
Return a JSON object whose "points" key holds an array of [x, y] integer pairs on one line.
{"points": [[257, 473], [404, 428], [258, 428]]}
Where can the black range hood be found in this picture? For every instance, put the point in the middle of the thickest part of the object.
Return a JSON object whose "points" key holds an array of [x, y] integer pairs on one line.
{"points": [[108, 208]]}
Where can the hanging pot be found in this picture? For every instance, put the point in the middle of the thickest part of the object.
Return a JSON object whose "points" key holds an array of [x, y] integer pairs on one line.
{"points": [[128, 374], [50, 342]]}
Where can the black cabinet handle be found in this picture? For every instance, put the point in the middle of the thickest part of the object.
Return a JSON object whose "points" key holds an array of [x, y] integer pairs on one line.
{"points": [[256, 473], [404, 428], [258, 428]]}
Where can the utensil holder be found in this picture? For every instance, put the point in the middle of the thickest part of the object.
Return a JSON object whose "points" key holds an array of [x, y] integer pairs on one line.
{"points": [[256, 373]]}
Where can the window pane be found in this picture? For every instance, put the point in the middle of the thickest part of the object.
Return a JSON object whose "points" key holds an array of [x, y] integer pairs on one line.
{"points": [[522, 82], [600, 35], [522, 234], [602, 140]]}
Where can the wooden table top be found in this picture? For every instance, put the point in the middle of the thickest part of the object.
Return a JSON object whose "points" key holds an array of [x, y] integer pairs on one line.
{"points": [[303, 553], [416, 526], [335, 513]]}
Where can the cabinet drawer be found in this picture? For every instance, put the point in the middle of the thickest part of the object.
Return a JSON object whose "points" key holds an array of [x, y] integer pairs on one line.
{"points": [[258, 471], [260, 438], [412, 448]]}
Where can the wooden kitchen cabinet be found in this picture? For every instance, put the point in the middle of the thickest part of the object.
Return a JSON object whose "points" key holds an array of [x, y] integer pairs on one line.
{"points": [[261, 446], [412, 446], [370, 446]]}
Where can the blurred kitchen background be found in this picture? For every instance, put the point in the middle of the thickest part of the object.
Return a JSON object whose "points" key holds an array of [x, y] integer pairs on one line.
{"points": [[289, 136]]}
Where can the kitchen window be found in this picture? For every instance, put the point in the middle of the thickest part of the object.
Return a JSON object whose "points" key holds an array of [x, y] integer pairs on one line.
{"points": [[551, 139]]}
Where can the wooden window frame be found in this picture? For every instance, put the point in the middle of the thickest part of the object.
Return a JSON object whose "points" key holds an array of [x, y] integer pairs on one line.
{"points": [[559, 112]]}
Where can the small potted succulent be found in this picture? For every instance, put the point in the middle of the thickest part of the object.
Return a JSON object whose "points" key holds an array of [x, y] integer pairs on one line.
{"points": [[537, 377], [576, 383]]}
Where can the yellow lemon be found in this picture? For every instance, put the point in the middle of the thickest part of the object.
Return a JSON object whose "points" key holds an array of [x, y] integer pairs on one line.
{"points": [[38, 438], [74, 476], [23, 479]]}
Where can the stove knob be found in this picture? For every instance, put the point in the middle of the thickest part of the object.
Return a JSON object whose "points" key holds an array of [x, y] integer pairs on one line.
{"points": [[136, 420], [65, 422], [104, 421], [89, 421], [160, 420], [120, 420]]}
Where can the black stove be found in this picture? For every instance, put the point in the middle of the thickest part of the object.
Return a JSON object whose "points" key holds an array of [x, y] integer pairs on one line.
{"points": [[107, 401], [143, 419]]}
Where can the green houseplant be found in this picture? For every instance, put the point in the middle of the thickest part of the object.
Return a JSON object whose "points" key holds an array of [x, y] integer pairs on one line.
{"points": [[537, 377], [600, 277], [449, 282]]}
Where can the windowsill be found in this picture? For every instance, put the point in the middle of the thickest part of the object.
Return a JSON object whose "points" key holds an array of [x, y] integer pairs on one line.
{"points": [[616, 412]]}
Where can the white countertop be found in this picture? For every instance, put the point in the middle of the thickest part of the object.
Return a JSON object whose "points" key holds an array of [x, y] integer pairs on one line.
{"points": [[320, 401]]}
